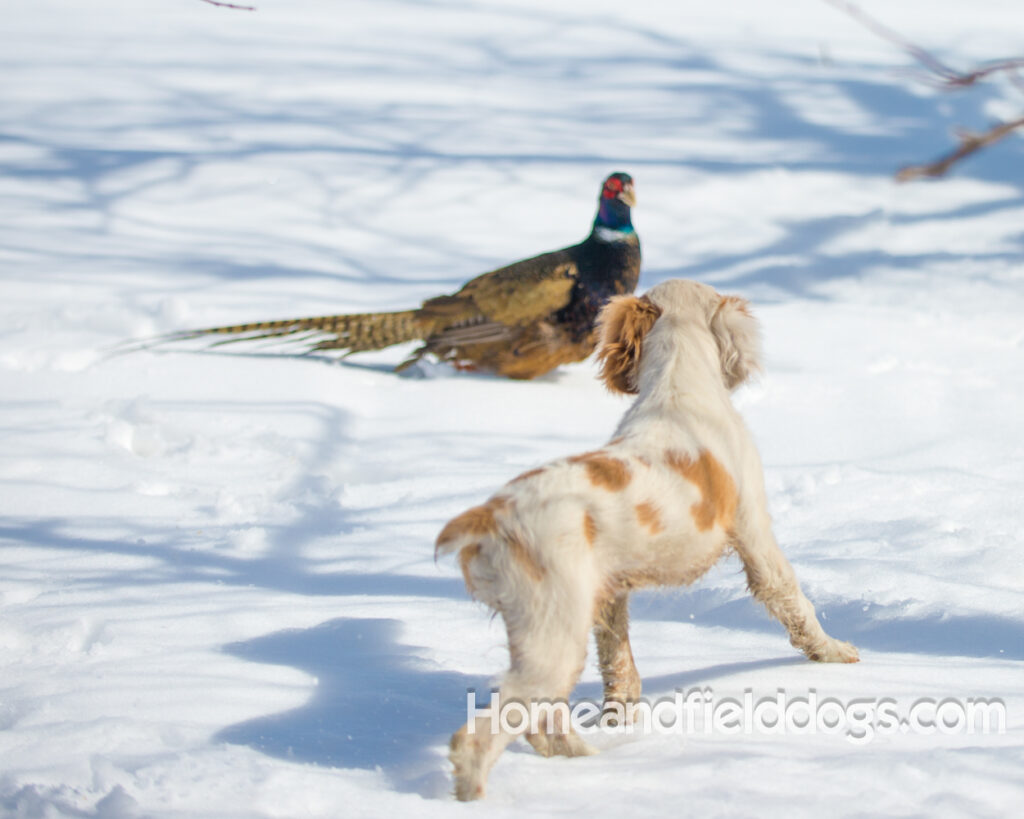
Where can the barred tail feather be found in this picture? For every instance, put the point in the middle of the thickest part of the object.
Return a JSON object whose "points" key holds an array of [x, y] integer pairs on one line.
{"points": [[354, 332], [374, 331]]}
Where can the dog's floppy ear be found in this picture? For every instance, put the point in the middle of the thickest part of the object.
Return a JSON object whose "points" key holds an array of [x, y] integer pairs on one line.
{"points": [[739, 340], [622, 325]]}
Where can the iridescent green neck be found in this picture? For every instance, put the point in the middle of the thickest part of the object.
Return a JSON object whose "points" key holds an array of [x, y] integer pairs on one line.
{"points": [[614, 215]]}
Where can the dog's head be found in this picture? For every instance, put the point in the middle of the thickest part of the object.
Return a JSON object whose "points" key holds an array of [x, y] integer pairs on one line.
{"points": [[626, 321]]}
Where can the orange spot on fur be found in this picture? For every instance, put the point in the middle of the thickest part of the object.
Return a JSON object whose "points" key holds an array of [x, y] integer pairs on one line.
{"points": [[527, 475], [589, 528], [649, 518], [717, 505], [604, 471]]}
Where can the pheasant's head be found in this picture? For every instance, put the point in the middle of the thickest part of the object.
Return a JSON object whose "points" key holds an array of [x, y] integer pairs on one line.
{"points": [[619, 186], [617, 197]]}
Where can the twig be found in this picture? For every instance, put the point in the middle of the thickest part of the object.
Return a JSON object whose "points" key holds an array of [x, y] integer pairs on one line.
{"points": [[949, 79], [969, 143], [926, 58], [229, 5], [963, 80]]}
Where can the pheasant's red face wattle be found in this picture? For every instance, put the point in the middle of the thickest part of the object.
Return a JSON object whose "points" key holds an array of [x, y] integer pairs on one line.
{"points": [[619, 186], [612, 188]]}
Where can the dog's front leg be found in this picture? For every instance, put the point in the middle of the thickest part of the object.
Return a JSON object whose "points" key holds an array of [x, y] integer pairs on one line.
{"points": [[614, 655], [772, 581]]}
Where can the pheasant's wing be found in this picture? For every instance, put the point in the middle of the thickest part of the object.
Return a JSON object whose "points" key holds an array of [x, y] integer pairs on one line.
{"points": [[512, 296]]}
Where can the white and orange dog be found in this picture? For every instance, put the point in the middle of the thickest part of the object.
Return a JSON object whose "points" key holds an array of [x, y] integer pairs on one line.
{"points": [[558, 549]]}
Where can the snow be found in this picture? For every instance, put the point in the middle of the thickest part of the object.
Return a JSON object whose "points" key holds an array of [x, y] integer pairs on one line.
{"points": [[218, 596]]}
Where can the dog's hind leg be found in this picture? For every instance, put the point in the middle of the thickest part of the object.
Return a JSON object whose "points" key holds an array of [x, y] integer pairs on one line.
{"points": [[547, 634], [614, 655], [772, 581], [473, 751]]}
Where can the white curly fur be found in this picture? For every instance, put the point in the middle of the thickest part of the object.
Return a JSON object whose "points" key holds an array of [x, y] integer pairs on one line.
{"points": [[557, 550]]}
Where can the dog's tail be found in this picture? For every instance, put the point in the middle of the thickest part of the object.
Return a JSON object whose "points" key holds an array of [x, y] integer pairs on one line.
{"points": [[493, 550], [468, 529]]}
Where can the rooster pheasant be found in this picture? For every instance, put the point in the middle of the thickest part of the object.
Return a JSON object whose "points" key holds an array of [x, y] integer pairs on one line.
{"points": [[518, 321]]}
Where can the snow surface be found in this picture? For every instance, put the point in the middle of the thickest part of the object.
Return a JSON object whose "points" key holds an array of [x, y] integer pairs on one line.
{"points": [[217, 590]]}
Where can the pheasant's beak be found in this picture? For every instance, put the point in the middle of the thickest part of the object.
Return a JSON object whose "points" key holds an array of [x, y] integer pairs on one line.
{"points": [[628, 195]]}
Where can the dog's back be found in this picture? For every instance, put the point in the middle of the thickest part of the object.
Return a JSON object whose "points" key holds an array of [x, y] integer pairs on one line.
{"points": [[623, 516]]}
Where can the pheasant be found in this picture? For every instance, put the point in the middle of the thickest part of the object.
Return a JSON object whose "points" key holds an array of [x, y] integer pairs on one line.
{"points": [[519, 321]]}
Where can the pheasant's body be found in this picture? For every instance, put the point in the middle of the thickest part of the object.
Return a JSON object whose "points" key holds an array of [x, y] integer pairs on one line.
{"points": [[518, 321]]}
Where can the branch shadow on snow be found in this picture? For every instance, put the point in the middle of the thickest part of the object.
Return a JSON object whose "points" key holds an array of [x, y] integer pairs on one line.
{"points": [[796, 265], [683, 88], [179, 561]]}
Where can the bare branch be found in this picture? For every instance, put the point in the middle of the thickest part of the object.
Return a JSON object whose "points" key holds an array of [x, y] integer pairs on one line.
{"points": [[229, 5], [948, 77], [1009, 66], [926, 58], [969, 143]]}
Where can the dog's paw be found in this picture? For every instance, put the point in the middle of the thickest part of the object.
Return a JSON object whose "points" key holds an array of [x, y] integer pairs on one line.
{"points": [[836, 651], [465, 755]]}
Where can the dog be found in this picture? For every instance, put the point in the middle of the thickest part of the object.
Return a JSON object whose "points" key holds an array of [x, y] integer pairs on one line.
{"points": [[558, 549]]}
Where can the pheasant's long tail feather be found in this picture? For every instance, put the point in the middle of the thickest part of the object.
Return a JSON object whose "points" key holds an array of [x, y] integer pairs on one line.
{"points": [[374, 331], [352, 332]]}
